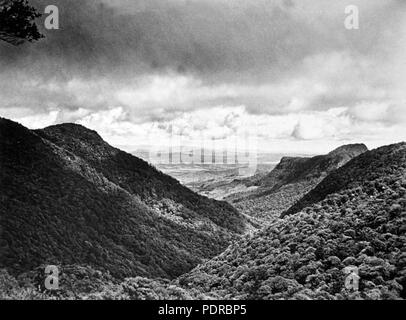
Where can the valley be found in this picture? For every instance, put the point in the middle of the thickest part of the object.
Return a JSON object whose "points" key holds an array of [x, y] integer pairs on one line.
{"points": [[67, 197], [120, 228]]}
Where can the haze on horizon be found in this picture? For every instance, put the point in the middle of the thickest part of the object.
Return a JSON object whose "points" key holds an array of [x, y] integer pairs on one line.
{"points": [[287, 70]]}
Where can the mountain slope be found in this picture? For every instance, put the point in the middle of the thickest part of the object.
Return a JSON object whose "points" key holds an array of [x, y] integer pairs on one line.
{"points": [[361, 171], [304, 255], [67, 197], [138, 177], [290, 180], [291, 170]]}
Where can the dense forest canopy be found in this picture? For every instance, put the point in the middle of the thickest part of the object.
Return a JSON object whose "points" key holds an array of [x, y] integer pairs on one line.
{"points": [[68, 197], [117, 228]]}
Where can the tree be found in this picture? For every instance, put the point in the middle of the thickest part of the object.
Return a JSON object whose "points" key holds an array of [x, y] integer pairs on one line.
{"points": [[17, 22]]}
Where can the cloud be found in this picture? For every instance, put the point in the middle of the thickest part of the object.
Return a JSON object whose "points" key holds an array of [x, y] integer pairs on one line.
{"points": [[317, 126], [387, 112], [205, 66]]}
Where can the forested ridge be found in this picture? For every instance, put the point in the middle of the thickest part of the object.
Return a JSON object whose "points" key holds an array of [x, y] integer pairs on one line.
{"points": [[115, 239], [137, 176], [291, 179], [361, 171], [67, 197], [303, 255]]}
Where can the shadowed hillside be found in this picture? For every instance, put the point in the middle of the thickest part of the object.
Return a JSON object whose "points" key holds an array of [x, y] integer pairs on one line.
{"points": [[361, 171], [292, 178], [138, 177], [361, 223], [291, 170], [67, 197]]}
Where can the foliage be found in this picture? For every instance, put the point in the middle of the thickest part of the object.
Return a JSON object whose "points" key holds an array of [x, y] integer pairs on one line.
{"points": [[85, 283], [68, 198], [362, 170], [57, 208], [303, 255], [290, 180], [137, 176], [17, 22]]}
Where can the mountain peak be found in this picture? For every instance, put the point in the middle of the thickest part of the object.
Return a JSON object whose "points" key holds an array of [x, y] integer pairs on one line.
{"points": [[73, 130], [360, 171], [94, 204], [293, 169], [350, 149], [13, 133]]}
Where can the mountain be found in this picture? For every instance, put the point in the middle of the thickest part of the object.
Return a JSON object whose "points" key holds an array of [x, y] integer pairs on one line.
{"points": [[138, 177], [68, 197], [360, 223], [360, 172], [293, 170], [290, 180]]}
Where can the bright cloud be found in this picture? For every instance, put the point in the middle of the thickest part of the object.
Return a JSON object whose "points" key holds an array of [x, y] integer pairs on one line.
{"points": [[287, 70]]}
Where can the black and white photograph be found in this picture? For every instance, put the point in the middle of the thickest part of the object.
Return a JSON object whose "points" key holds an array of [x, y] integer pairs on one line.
{"points": [[209, 150]]}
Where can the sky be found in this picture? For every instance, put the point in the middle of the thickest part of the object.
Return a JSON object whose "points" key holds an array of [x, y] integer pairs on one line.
{"points": [[287, 72]]}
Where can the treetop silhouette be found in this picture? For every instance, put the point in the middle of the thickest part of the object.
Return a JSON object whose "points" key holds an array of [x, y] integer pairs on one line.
{"points": [[17, 22]]}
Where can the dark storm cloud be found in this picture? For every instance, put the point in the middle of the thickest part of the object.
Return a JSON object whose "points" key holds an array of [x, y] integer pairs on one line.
{"points": [[209, 38], [154, 60]]}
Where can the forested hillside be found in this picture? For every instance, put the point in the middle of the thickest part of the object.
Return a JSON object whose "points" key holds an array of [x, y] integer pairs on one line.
{"points": [[291, 170], [67, 197], [292, 178], [360, 223], [138, 177], [361, 171], [303, 256]]}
